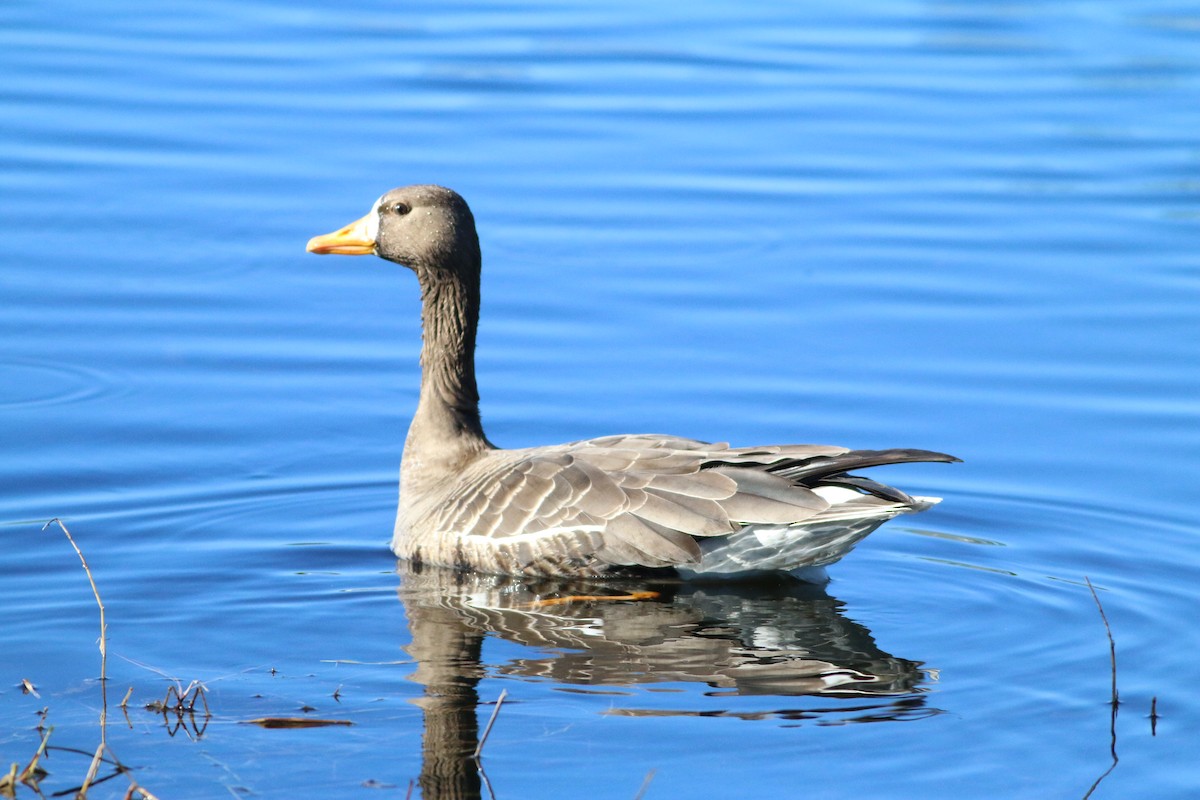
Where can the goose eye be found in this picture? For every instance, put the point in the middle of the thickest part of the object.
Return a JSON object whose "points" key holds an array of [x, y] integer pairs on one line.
{"points": [[401, 208]]}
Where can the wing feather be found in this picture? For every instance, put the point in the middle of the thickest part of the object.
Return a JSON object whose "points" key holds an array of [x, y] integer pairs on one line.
{"points": [[643, 500], [767, 498], [649, 544], [709, 484], [676, 512]]}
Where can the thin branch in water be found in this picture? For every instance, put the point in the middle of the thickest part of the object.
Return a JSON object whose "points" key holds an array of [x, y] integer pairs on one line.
{"points": [[91, 773], [645, 785], [488, 728], [198, 690], [1112, 645], [119, 769], [90, 778], [33, 771], [1114, 701], [95, 592], [184, 702], [103, 625]]}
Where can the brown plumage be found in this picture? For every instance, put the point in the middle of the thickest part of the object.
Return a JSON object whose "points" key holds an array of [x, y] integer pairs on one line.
{"points": [[591, 507]]}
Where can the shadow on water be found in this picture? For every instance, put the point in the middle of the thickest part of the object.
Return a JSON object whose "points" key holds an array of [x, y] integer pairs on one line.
{"points": [[782, 639]]}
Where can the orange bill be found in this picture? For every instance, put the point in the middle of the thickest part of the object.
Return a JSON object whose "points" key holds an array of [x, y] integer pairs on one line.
{"points": [[355, 239]]}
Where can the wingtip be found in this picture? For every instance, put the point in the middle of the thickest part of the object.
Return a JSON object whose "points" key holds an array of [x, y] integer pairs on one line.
{"points": [[944, 458], [914, 455]]}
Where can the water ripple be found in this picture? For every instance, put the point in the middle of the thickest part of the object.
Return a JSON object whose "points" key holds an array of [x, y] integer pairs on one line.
{"points": [[32, 382]]}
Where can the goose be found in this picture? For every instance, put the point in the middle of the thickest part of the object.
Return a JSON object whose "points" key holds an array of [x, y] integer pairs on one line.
{"points": [[598, 507]]}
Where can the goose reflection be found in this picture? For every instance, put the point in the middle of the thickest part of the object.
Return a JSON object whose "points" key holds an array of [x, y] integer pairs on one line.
{"points": [[785, 638]]}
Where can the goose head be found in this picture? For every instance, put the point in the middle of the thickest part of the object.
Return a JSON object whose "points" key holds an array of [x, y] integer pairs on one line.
{"points": [[428, 229]]}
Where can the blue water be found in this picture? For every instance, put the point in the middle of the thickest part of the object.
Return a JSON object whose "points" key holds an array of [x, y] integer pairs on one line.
{"points": [[970, 227]]}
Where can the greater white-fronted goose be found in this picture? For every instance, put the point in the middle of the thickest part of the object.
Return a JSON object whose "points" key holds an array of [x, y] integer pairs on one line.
{"points": [[598, 506]]}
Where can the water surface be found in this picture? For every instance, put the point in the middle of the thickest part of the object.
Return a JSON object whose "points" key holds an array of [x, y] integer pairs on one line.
{"points": [[969, 227]]}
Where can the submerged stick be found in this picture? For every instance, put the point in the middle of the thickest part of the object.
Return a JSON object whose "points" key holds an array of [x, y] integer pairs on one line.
{"points": [[103, 625], [645, 785], [491, 722]]}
